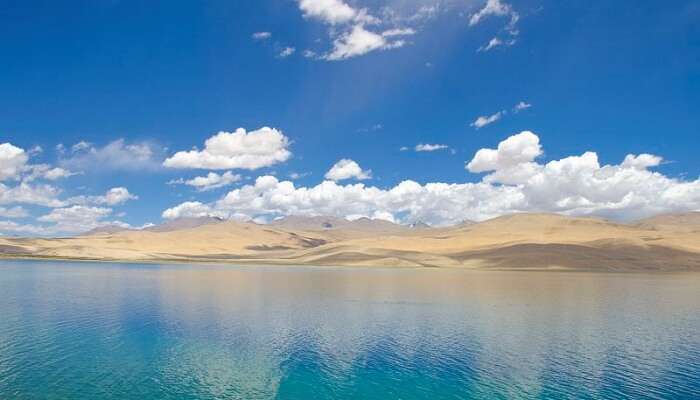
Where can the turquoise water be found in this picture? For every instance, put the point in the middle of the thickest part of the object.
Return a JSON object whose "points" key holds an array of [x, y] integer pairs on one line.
{"points": [[116, 331]]}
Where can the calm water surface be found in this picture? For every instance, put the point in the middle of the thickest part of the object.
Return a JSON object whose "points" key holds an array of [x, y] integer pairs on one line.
{"points": [[115, 331]]}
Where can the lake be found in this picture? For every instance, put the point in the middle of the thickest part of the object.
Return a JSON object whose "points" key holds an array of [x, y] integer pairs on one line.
{"points": [[130, 331]]}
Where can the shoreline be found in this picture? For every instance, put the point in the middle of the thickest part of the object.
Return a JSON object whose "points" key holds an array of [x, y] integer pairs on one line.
{"points": [[269, 264]]}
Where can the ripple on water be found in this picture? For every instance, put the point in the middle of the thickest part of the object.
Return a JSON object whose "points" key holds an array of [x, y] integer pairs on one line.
{"points": [[134, 332]]}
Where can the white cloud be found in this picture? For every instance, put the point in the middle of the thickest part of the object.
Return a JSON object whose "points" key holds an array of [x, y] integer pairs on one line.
{"points": [[642, 161], [116, 196], [521, 106], [346, 169], [513, 158], [81, 146], [329, 11], [399, 32], [237, 150], [484, 120], [298, 175], [261, 35], [14, 165], [286, 52], [430, 147], [113, 197], [188, 209], [435, 203], [494, 42], [35, 150], [67, 221], [74, 219], [57, 173], [13, 212], [350, 35], [21, 229], [498, 9], [45, 171], [209, 182], [515, 182], [360, 41], [24, 193], [68, 216], [12, 161], [516, 150], [310, 54], [495, 8], [117, 155]]}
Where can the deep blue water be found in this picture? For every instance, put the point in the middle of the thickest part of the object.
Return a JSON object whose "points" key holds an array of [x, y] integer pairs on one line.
{"points": [[117, 331]]}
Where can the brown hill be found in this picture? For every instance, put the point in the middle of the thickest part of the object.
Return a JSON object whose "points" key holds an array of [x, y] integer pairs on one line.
{"points": [[683, 222], [520, 241]]}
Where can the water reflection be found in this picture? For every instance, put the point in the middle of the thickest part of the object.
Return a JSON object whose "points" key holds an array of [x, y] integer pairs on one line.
{"points": [[177, 332]]}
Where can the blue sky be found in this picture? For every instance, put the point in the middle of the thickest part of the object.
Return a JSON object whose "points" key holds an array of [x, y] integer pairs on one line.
{"points": [[366, 81]]}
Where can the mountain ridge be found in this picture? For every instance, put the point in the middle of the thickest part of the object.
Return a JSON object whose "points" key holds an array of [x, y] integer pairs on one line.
{"points": [[524, 241]]}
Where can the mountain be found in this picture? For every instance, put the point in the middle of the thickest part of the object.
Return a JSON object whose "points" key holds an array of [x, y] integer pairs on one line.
{"points": [[519, 241], [105, 230], [419, 225], [681, 221], [335, 228], [183, 223]]}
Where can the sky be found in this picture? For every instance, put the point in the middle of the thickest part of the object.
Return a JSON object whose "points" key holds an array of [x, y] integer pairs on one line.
{"points": [[437, 111]]}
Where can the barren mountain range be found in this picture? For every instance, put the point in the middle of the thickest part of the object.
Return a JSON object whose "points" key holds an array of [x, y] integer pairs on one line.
{"points": [[518, 241]]}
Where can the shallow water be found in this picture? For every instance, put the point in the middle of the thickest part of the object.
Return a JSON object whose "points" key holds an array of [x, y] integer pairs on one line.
{"points": [[117, 331]]}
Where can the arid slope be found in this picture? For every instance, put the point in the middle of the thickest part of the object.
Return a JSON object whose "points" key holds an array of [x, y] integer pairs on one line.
{"points": [[520, 241]]}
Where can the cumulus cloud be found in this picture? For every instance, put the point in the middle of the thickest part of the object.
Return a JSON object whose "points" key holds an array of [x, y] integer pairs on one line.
{"points": [[484, 120], [66, 220], [514, 181], [191, 209], [25, 193], [47, 172], [115, 156], [236, 150], [516, 150], [261, 35], [68, 216], [74, 219], [13, 212], [209, 182], [15, 228], [430, 147], [642, 161], [14, 165], [12, 161], [329, 11], [113, 197], [347, 169], [436, 203]]}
